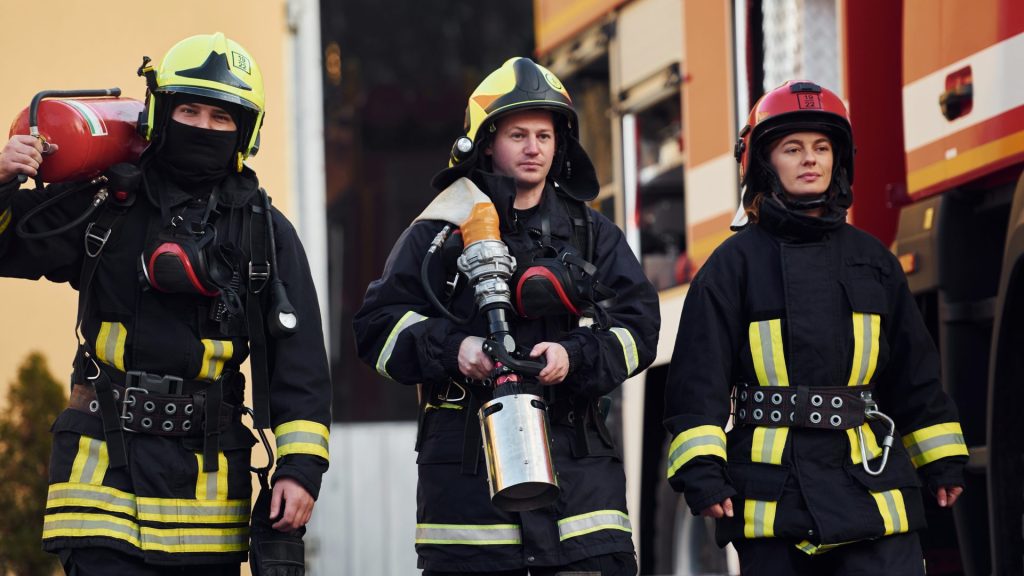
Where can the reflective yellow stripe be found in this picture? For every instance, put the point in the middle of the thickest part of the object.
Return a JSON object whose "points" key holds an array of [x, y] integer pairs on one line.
{"points": [[759, 518], [767, 352], [934, 442], [582, 524], [768, 444], [874, 450], [468, 534], [91, 462], [185, 511], [110, 344], [84, 525], [302, 437], [67, 494], [893, 510], [811, 549], [866, 332], [445, 405], [407, 320], [629, 353], [179, 540], [5, 220], [866, 328], [215, 354], [699, 441], [211, 485]]}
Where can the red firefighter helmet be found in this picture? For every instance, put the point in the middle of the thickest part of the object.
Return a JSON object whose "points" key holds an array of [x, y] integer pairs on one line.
{"points": [[796, 106]]}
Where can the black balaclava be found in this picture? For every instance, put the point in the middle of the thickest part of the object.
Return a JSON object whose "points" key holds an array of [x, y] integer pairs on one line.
{"points": [[197, 158]]}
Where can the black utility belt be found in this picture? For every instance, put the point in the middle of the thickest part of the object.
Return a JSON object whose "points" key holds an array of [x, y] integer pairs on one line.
{"points": [[150, 404], [824, 408]]}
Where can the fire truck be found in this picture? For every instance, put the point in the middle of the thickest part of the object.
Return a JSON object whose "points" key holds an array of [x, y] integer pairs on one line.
{"points": [[935, 91]]}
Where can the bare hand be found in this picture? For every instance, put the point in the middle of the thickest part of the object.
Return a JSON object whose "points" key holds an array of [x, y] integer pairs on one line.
{"points": [[22, 155], [947, 495], [473, 361], [298, 505], [718, 510], [557, 358]]}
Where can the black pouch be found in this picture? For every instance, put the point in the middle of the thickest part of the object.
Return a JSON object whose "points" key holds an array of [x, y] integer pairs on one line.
{"points": [[272, 552]]}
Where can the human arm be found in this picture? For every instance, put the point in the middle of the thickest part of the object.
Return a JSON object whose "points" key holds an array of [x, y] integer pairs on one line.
{"points": [[697, 402], [602, 357]]}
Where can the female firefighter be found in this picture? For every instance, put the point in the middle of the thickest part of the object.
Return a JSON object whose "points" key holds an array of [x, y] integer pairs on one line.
{"points": [[521, 154], [149, 472], [803, 327]]}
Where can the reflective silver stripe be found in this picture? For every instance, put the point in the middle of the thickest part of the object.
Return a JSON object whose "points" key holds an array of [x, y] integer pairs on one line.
{"points": [[110, 345], [759, 518], [894, 512], [575, 526], [407, 320], [468, 534], [179, 537], [629, 352], [769, 443], [707, 440], [869, 342], [154, 512], [916, 449], [767, 353], [90, 525], [61, 495], [302, 438], [92, 460]]}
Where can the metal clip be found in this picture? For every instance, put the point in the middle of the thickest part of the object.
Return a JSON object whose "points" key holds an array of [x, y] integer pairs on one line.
{"points": [[129, 400], [871, 412], [447, 391], [100, 240]]}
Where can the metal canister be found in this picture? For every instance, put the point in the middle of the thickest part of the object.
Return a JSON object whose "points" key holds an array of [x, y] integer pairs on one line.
{"points": [[518, 451]]}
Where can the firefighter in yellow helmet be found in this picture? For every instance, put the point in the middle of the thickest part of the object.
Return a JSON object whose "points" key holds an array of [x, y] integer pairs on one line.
{"points": [[181, 277], [581, 303]]}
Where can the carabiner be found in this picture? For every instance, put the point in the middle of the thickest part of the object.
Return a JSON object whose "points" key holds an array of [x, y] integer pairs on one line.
{"points": [[871, 412]]}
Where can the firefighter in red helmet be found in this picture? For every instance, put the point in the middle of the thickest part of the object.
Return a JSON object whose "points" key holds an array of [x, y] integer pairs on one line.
{"points": [[181, 276], [802, 329]]}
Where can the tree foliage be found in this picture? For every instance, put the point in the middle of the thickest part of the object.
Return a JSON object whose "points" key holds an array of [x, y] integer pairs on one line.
{"points": [[33, 402]]}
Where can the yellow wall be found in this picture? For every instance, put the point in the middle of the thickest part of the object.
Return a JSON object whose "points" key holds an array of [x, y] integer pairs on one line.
{"points": [[75, 44]]}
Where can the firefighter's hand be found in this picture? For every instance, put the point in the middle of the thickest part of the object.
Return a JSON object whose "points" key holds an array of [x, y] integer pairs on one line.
{"points": [[22, 155], [947, 495], [473, 361], [724, 508], [557, 367], [297, 505]]}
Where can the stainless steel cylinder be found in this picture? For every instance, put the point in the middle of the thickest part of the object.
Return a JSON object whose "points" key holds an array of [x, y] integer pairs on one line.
{"points": [[516, 445]]}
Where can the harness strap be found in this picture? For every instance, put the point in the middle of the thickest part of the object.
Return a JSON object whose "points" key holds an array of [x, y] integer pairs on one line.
{"points": [[259, 276], [472, 439], [113, 433], [211, 434]]}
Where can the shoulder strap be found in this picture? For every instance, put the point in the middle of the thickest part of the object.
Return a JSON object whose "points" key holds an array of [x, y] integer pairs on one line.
{"points": [[582, 226], [255, 227]]}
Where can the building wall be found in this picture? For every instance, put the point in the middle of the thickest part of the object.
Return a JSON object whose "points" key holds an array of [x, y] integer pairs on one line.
{"points": [[71, 44]]}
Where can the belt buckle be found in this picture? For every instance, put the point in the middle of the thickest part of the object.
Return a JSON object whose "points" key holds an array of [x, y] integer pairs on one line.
{"points": [[154, 383], [127, 418]]}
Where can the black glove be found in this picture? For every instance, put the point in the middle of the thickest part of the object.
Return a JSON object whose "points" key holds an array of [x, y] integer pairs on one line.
{"points": [[272, 552]]}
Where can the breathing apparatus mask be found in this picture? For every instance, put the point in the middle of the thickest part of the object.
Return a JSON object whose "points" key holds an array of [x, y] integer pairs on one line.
{"points": [[558, 283]]}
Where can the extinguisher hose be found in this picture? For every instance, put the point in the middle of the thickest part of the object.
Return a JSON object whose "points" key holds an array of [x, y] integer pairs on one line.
{"points": [[22, 227], [425, 279]]}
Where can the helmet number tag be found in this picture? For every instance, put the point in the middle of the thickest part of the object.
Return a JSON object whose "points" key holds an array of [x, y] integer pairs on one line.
{"points": [[807, 101], [241, 62]]}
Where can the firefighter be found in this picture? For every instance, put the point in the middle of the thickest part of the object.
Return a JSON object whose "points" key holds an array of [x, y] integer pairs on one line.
{"points": [[149, 471], [839, 415], [521, 150]]}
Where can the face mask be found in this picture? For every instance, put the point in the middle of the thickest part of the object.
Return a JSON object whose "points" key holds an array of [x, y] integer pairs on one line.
{"points": [[192, 156]]}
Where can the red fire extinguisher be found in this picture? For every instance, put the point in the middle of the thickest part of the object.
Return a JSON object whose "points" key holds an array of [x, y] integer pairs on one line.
{"points": [[93, 129]]}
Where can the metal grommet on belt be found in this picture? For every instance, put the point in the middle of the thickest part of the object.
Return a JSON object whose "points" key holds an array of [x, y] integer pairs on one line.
{"points": [[815, 417], [758, 396], [743, 396], [186, 425], [171, 408], [742, 413], [117, 394], [792, 416], [758, 414], [837, 402], [147, 422], [149, 406], [792, 399], [130, 417], [188, 409], [816, 400], [94, 406], [168, 425], [776, 416], [776, 398], [836, 420]]}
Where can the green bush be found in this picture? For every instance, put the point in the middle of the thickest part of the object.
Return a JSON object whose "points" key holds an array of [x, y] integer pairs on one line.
{"points": [[33, 401]]}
